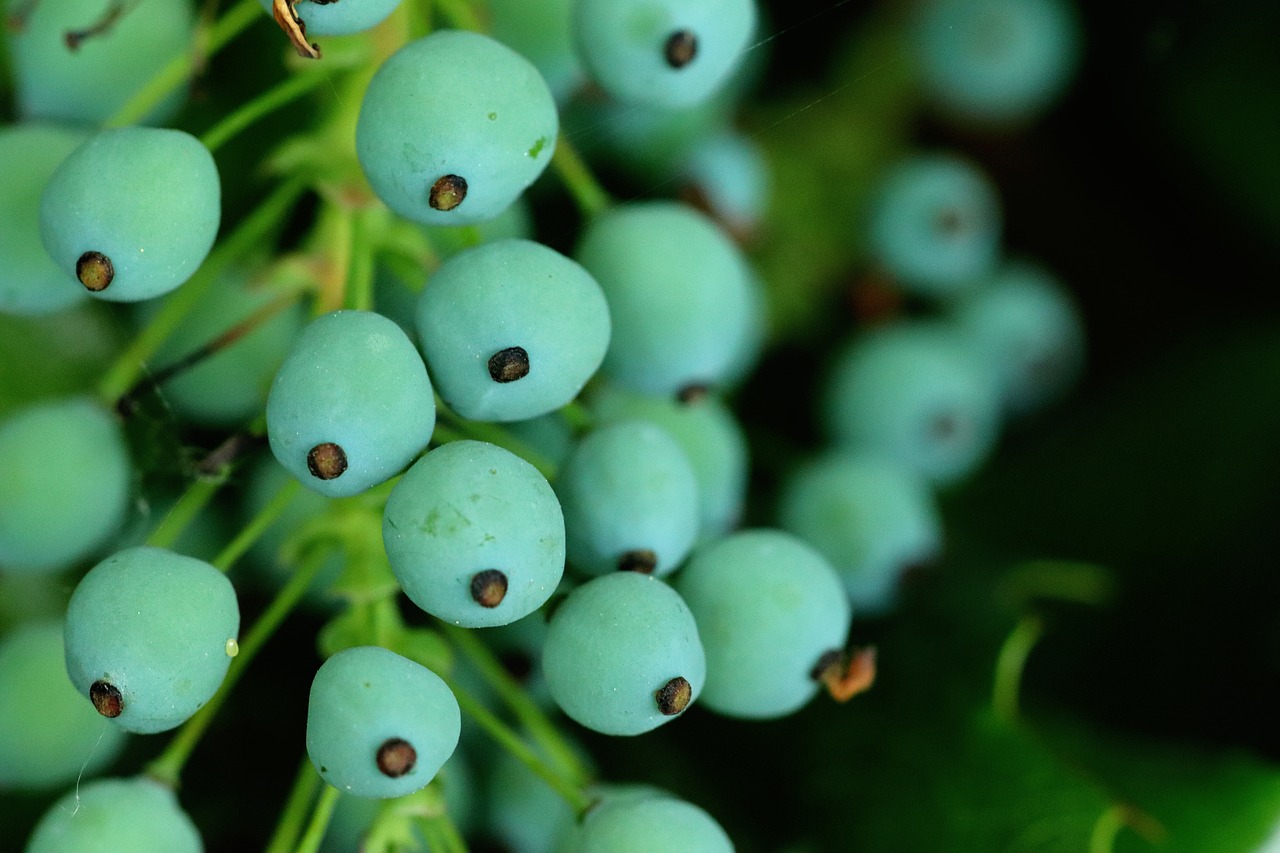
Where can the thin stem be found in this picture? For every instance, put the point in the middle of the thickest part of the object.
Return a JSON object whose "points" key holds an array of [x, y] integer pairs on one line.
{"points": [[587, 192], [245, 327], [320, 818], [278, 96], [509, 740], [577, 416], [442, 834], [541, 729], [257, 525], [124, 372], [460, 14], [235, 21], [1105, 830], [296, 809], [493, 434], [1010, 665], [360, 265], [193, 500], [167, 768]]}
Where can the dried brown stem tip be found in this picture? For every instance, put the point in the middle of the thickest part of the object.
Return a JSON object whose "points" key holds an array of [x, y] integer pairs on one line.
{"points": [[489, 587], [447, 192], [95, 271], [674, 696], [396, 757], [642, 560], [681, 48], [74, 38], [327, 461], [509, 364], [287, 18], [845, 675], [106, 698]]}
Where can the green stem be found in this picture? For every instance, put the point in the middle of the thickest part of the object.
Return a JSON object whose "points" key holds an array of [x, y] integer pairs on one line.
{"points": [[1105, 830], [587, 192], [509, 740], [460, 14], [530, 716], [577, 416], [235, 21], [458, 428], [320, 818], [124, 372], [167, 768], [257, 525], [193, 500], [296, 808], [278, 96], [442, 834], [1010, 665], [361, 265]]}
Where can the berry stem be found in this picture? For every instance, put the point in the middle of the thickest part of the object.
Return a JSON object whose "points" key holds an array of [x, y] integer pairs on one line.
{"points": [[442, 834], [224, 340], [296, 809], [257, 525], [281, 95], [588, 194], [1105, 830], [167, 768], [570, 792], [451, 427], [193, 500], [253, 231], [460, 14], [530, 716], [233, 22], [320, 818], [1011, 663], [360, 264]]}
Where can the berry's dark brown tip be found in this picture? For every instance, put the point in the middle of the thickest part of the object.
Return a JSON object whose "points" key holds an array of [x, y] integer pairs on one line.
{"points": [[642, 560], [489, 587], [447, 192], [674, 696], [680, 49], [106, 698], [693, 393], [950, 221], [396, 757], [509, 364], [95, 271], [327, 461]]}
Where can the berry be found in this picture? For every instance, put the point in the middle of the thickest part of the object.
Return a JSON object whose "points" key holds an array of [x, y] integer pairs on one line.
{"points": [[378, 724], [768, 608], [630, 499], [475, 535], [351, 406], [511, 330], [453, 127], [667, 53], [67, 479], [147, 634], [615, 646], [124, 245], [679, 295], [111, 815]]}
